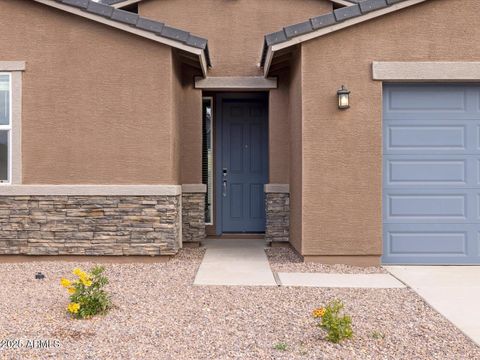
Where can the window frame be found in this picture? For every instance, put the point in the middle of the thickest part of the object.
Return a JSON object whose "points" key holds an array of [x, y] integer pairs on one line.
{"points": [[8, 128], [212, 185]]}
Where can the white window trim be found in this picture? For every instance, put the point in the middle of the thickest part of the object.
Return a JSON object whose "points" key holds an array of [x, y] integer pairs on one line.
{"points": [[14, 69], [212, 135], [8, 128]]}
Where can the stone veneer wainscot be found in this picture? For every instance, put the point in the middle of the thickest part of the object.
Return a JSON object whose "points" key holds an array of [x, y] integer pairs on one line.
{"points": [[90, 225]]}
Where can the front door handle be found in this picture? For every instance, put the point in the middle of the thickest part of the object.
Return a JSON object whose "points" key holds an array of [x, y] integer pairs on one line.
{"points": [[224, 188]]}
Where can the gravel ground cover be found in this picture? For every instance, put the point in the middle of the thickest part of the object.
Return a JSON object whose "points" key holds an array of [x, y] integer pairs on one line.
{"points": [[285, 259], [159, 314]]}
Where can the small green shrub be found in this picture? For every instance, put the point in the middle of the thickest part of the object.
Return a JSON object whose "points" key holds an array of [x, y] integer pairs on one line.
{"points": [[87, 296], [280, 346], [337, 325]]}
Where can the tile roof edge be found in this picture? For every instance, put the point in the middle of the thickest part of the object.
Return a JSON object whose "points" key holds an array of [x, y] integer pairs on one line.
{"points": [[361, 10], [91, 9], [118, 3]]}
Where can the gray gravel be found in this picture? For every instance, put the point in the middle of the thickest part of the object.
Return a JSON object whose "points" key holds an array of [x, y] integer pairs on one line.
{"points": [[285, 259], [160, 315]]}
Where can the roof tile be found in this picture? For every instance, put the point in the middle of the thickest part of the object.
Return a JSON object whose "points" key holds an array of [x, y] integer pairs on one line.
{"points": [[371, 5], [150, 25], [197, 42], [125, 17], [77, 3], [322, 21], [175, 34], [298, 29], [111, 2], [275, 38], [347, 12], [100, 9]]}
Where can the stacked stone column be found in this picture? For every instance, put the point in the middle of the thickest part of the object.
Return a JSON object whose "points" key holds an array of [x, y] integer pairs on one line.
{"points": [[277, 208], [193, 213]]}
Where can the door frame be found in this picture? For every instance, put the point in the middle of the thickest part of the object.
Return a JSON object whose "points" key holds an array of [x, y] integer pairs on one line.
{"points": [[218, 127]]}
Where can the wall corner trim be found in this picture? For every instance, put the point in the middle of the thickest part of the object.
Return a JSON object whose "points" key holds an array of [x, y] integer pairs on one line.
{"points": [[277, 188], [13, 65], [90, 190], [426, 71], [194, 188]]}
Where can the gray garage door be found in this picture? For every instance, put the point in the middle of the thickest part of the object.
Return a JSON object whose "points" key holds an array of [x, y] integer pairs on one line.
{"points": [[431, 195]]}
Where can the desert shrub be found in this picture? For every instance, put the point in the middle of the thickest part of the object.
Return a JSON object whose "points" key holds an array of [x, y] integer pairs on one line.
{"points": [[331, 319], [87, 295]]}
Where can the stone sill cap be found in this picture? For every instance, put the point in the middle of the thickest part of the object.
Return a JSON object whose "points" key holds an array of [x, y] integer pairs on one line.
{"points": [[277, 188], [194, 188], [90, 190]]}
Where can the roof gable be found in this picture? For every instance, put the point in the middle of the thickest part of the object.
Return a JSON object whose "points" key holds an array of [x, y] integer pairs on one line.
{"points": [[135, 24], [321, 25]]}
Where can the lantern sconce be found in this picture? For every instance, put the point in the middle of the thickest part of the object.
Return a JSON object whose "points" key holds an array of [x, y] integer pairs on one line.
{"points": [[343, 98]]}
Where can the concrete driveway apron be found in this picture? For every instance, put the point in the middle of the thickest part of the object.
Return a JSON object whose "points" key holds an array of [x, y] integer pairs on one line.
{"points": [[454, 291]]}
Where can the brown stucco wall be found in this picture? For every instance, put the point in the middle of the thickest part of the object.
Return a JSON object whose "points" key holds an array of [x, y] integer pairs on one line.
{"points": [[295, 114], [278, 130], [177, 92], [97, 102], [235, 29], [342, 150], [189, 116]]}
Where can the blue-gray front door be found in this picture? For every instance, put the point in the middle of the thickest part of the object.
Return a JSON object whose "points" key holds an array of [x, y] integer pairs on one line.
{"points": [[431, 209], [243, 169]]}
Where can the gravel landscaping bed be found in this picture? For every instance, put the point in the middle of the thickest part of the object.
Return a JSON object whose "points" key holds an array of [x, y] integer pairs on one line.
{"points": [[160, 315], [285, 259]]}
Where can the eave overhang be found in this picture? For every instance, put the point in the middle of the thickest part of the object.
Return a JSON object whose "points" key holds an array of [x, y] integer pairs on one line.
{"points": [[325, 24], [187, 44]]}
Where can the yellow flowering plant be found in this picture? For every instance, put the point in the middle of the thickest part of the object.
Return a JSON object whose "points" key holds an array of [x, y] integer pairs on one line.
{"points": [[337, 325], [87, 296]]}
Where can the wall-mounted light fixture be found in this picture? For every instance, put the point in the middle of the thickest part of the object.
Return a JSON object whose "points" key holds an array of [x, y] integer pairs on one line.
{"points": [[343, 98]]}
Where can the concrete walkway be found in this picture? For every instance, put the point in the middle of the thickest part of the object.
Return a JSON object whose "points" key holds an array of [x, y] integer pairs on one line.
{"points": [[370, 281], [244, 262], [454, 291], [235, 262]]}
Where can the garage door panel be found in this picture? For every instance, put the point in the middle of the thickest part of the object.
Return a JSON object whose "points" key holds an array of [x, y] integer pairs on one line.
{"points": [[431, 137], [431, 243], [430, 206], [431, 200], [424, 137], [428, 241], [408, 171], [431, 171], [431, 101], [415, 206]]}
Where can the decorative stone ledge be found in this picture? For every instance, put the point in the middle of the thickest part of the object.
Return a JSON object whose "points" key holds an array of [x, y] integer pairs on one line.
{"points": [[277, 207], [90, 225], [193, 213], [194, 188], [90, 190], [277, 188], [426, 71]]}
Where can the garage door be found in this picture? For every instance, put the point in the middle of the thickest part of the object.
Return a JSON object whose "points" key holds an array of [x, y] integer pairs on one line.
{"points": [[431, 195]]}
